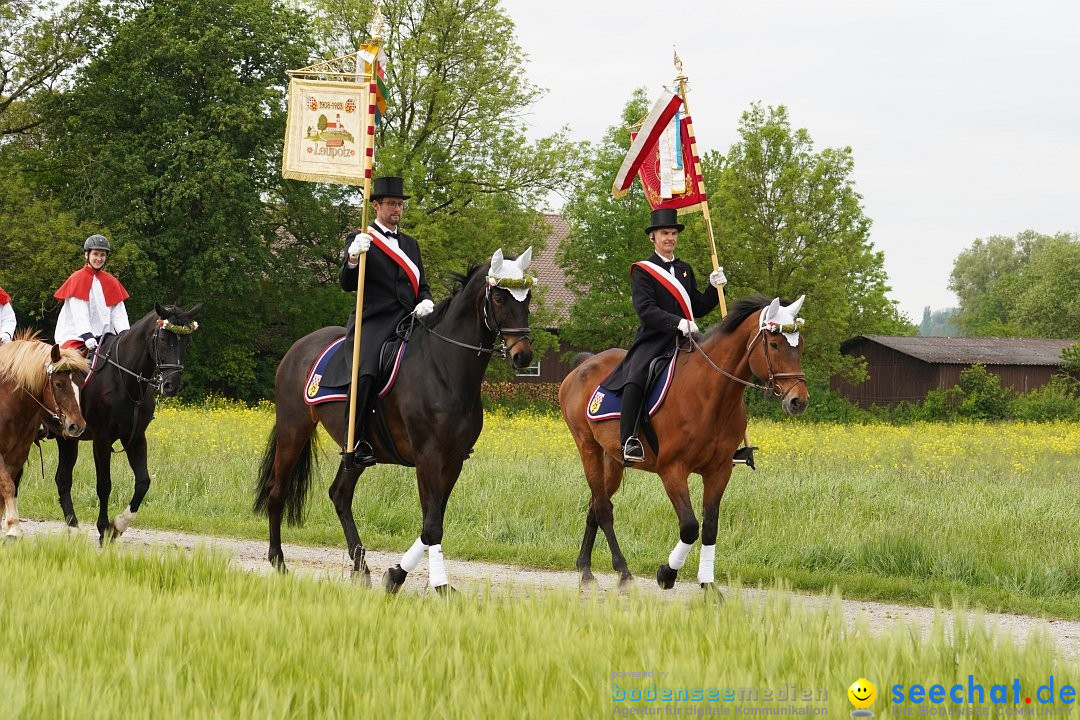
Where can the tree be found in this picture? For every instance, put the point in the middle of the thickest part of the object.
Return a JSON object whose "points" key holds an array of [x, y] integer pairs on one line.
{"points": [[454, 126], [40, 44], [170, 140], [1019, 287], [789, 221]]}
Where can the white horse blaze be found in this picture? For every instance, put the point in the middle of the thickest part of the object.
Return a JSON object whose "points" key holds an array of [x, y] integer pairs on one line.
{"points": [[677, 558], [705, 573], [123, 521]]}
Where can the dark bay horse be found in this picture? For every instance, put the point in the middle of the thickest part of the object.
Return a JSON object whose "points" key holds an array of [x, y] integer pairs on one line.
{"points": [[433, 412], [35, 380], [118, 403], [699, 426]]}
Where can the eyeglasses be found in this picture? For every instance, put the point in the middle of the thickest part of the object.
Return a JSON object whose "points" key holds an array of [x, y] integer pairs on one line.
{"points": [[393, 203]]}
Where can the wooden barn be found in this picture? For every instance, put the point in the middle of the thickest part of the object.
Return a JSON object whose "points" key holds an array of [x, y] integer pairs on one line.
{"points": [[907, 368]]}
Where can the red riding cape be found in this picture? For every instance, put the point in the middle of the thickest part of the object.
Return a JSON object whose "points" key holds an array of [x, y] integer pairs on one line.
{"points": [[4, 297], [78, 286]]}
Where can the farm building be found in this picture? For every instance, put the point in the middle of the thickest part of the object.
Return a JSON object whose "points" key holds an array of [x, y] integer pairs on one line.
{"points": [[551, 281], [907, 368]]}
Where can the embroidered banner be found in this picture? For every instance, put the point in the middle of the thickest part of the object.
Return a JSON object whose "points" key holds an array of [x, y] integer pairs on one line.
{"points": [[670, 173], [326, 131]]}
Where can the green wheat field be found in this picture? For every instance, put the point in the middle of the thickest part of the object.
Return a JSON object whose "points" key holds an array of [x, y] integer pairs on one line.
{"points": [[967, 516]]}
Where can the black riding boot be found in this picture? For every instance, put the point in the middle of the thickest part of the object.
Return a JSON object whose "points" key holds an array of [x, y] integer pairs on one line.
{"points": [[632, 398], [363, 455]]}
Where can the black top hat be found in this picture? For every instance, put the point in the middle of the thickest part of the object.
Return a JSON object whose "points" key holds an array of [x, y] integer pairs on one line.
{"points": [[388, 186], [664, 218]]}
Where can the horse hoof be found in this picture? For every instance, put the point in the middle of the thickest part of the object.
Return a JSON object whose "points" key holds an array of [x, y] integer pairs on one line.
{"points": [[361, 577], [13, 534], [587, 583], [665, 577], [393, 579], [278, 561], [626, 582], [446, 591]]}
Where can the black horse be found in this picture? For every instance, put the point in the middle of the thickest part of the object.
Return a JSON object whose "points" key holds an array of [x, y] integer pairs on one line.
{"points": [[118, 404], [433, 412]]}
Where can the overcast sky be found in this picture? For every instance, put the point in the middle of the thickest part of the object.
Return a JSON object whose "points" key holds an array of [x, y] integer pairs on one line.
{"points": [[963, 116]]}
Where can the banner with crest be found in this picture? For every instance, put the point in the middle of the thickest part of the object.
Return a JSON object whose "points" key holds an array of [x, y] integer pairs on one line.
{"points": [[326, 131]]}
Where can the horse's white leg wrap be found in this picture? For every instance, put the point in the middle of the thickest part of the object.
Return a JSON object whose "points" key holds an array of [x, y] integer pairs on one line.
{"points": [[677, 558], [436, 566], [705, 573], [412, 556], [123, 521]]}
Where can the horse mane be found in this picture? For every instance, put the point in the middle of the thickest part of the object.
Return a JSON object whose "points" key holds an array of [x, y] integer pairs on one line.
{"points": [[23, 361], [459, 280], [742, 309]]}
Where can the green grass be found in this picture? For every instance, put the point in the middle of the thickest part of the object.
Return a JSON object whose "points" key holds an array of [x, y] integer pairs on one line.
{"points": [[127, 633], [982, 513]]}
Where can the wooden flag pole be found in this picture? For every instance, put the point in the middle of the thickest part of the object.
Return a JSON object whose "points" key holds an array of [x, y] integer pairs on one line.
{"points": [[700, 178], [369, 155]]}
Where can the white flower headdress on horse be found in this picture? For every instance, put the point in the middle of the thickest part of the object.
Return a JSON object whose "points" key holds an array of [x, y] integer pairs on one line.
{"points": [[785, 320], [510, 274]]}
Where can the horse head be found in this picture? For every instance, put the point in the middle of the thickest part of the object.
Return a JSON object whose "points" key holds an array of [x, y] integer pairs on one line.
{"points": [[168, 342], [775, 354], [506, 305], [60, 395]]}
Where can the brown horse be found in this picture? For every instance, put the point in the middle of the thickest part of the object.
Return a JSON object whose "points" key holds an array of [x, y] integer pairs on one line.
{"points": [[699, 426], [433, 413], [36, 380]]}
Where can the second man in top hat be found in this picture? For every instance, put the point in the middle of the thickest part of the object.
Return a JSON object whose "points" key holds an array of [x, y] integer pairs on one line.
{"points": [[394, 287], [667, 300]]}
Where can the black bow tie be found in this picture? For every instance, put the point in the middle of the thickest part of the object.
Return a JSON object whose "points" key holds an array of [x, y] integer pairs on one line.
{"points": [[389, 233], [668, 265]]}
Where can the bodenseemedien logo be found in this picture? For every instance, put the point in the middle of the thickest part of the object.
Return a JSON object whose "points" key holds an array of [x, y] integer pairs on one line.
{"points": [[862, 694]]}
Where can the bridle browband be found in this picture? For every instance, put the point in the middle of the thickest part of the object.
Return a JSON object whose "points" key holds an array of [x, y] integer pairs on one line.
{"points": [[770, 385], [50, 369], [162, 370], [496, 332]]}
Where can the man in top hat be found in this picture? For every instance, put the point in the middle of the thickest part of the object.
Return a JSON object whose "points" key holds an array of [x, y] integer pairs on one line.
{"points": [[667, 300], [394, 287]]}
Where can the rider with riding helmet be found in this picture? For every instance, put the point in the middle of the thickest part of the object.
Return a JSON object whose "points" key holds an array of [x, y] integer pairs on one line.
{"points": [[93, 300], [666, 300]]}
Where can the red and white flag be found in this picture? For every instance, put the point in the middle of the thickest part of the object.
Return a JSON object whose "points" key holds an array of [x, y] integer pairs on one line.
{"points": [[644, 144]]}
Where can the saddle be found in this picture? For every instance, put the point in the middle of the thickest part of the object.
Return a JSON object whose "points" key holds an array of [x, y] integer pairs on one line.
{"points": [[606, 404], [390, 357]]}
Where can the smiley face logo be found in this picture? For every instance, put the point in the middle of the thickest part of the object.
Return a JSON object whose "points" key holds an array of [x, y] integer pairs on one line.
{"points": [[862, 693]]}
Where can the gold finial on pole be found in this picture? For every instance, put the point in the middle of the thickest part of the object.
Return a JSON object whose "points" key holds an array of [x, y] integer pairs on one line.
{"points": [[377, 26], [678, 66]]}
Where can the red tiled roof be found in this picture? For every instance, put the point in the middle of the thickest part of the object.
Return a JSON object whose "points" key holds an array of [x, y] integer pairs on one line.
{"points": [[548, 274]]}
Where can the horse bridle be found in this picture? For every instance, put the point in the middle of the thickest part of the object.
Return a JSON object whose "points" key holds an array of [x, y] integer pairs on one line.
{"points": [[162, 370], [497, 331], [56, 413], [770, 385]]}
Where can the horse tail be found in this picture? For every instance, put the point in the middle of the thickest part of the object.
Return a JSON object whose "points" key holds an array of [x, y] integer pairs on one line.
{"points": [[580, 358], [297, 483]]}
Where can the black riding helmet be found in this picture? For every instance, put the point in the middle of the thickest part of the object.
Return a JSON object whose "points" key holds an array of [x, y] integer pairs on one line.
{"points": [[96, 242]]}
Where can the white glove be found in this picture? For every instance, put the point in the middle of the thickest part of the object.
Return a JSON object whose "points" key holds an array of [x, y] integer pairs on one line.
{"points": [[90, 343], [4, 337], [717, 278], [360, 244], [423, 308], [687, 327]]}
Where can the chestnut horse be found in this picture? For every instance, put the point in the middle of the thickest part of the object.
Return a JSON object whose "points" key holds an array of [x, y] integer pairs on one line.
{"points": [[699, 426], [35, 380], [433, 413]]}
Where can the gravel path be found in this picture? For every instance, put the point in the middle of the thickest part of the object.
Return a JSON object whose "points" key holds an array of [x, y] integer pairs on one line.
{"points": [[329, 563]]}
